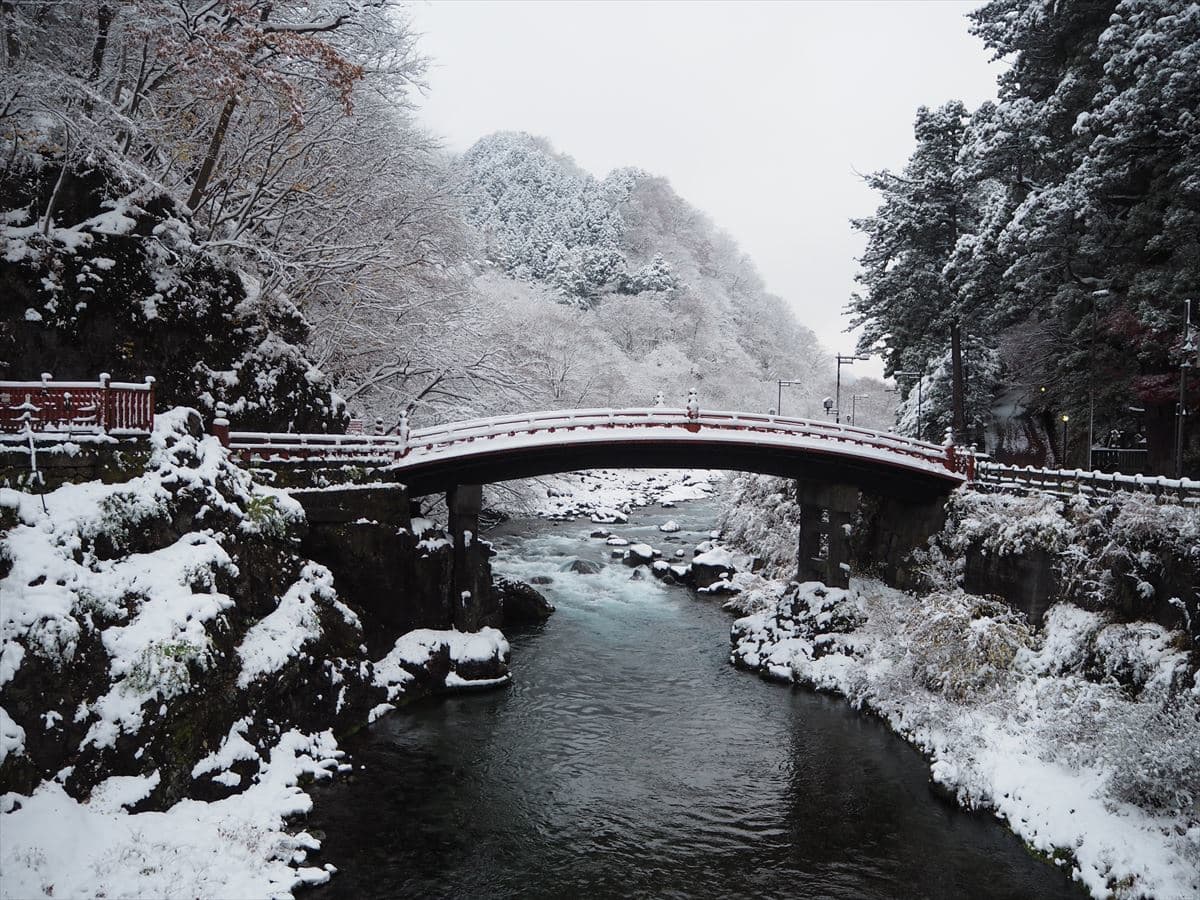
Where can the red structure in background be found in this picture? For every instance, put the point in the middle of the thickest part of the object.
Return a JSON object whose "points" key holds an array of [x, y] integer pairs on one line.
{"points": [[101, 407]]}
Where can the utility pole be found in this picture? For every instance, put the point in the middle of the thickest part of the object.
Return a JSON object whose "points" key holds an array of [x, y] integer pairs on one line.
{"points": [[854, 398], [779, 402], [1092, 383], [843, 360], [1189, 347], [958, 412]]}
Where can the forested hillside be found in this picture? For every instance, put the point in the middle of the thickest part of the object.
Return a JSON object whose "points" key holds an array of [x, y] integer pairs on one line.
{"points": [[234, 197], [1059, 228]]}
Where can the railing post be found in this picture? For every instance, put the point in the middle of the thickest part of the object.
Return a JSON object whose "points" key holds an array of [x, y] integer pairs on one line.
{"points": [[378, 425], [105, 402], [403, 431], [150, 380], [220, 426]]}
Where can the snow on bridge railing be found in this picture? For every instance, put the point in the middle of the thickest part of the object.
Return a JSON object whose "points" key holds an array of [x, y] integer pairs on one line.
{"points": [[1066, 482], [76, 407], [419, 445]]}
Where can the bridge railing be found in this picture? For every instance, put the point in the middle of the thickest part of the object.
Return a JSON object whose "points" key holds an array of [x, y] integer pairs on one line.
{"points": [[442, 438], [1070, 482], [75, 407]]}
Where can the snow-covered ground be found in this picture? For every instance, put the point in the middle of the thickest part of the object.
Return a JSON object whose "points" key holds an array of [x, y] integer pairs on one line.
{"points": [[147, 685], [1011, 720], [56, 846], [607, 495], [1082, 734]]}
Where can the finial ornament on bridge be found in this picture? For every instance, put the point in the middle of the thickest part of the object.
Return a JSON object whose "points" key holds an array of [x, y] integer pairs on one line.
{"points": [[659, 399], [693, 411], [403, 431], [220, 424]]}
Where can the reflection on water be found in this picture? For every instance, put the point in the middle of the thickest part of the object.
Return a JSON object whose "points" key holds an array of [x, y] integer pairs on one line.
{"points": [[630, 759]]}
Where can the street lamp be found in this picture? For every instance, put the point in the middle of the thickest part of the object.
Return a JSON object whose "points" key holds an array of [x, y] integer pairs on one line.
{"points": [[843, 360], [1065, 420], [920, 379], [779, 402], [854, 398], [1189, 347]]}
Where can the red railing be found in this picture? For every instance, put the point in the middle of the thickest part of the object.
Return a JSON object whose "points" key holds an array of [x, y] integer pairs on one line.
{"points": [[101, 407], [517, 432]]}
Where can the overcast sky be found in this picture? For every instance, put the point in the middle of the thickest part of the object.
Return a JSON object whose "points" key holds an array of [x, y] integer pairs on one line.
{"points": [[760, 114]]}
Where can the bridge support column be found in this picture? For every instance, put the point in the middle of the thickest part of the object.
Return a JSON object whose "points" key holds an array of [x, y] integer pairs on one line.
{"points": [[470, 579], [893, 529], [826, 509]]}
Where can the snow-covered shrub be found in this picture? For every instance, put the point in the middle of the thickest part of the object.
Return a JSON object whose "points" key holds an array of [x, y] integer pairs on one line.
{"points": [[265, 516], [123, 260], [761, 516], [963, 645], [1137, 655], [162, 668], [1006, 524], [1153, 751], [129, 610], [123, 517]]}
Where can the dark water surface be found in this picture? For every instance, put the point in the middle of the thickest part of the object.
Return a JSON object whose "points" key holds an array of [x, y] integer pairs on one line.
{"points": [[629, 758]]}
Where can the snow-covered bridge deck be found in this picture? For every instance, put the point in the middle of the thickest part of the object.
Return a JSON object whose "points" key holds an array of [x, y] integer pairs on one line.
{"points": [[482, 451]]}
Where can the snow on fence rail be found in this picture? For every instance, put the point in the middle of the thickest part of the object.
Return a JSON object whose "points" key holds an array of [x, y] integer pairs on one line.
{"points": [[443, 439], [74, 407], [1077, 481]]}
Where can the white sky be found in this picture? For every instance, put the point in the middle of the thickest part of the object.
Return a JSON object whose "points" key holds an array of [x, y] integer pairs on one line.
{"points": [[758, 113]]}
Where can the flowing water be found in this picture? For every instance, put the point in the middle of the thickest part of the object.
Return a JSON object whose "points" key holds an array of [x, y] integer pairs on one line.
{"points": [[629, 758]]}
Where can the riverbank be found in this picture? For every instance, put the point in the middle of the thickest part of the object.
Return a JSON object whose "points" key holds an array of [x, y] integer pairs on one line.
{"points": [[1082, 735], [173, 672]]}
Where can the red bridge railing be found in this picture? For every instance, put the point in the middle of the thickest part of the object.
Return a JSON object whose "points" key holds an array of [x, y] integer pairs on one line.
{"points": [[100, 407], [515, 431]]}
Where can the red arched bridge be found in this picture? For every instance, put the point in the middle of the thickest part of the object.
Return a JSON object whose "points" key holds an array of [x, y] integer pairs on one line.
{"points": [[482, 451]]}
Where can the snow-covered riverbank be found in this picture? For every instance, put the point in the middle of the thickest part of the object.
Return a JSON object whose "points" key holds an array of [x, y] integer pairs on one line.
{"points": [[172, 671], [1083, 735]]}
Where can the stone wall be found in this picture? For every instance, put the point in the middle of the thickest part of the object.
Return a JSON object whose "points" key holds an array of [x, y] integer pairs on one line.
{"points": [[399, 579], [53, 464]]}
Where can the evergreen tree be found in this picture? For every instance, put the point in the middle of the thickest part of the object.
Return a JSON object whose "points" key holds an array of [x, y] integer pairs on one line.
{"points": [[910, 304]]}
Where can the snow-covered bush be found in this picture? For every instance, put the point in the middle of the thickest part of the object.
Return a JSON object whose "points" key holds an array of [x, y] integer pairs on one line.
{"points": [[129, 609], [1133, 554], [962, 645], [125, 263], [762, 517]]}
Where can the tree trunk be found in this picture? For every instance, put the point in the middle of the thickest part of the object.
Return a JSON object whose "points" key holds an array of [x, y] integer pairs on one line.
{"points": [[958, 411], [104, 17], [210, 158]]}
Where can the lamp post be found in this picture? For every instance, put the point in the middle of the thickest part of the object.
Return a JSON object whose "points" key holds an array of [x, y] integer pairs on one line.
{"points": [[1189, 347], [843, 360], [1065, 420], [854, 398], [779, 402], [920, 378], [1092, 382]]}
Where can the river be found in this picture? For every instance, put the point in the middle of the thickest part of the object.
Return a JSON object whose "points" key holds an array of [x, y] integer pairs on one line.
{"points": [[629, 758]]}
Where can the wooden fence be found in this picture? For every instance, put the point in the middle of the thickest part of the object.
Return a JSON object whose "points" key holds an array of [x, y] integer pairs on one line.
{"points": [[76, 407]]}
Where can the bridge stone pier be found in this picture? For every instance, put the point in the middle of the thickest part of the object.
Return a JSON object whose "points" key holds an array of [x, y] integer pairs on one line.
{"points": [[471, 580], [364, 534], [826, 511]]}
